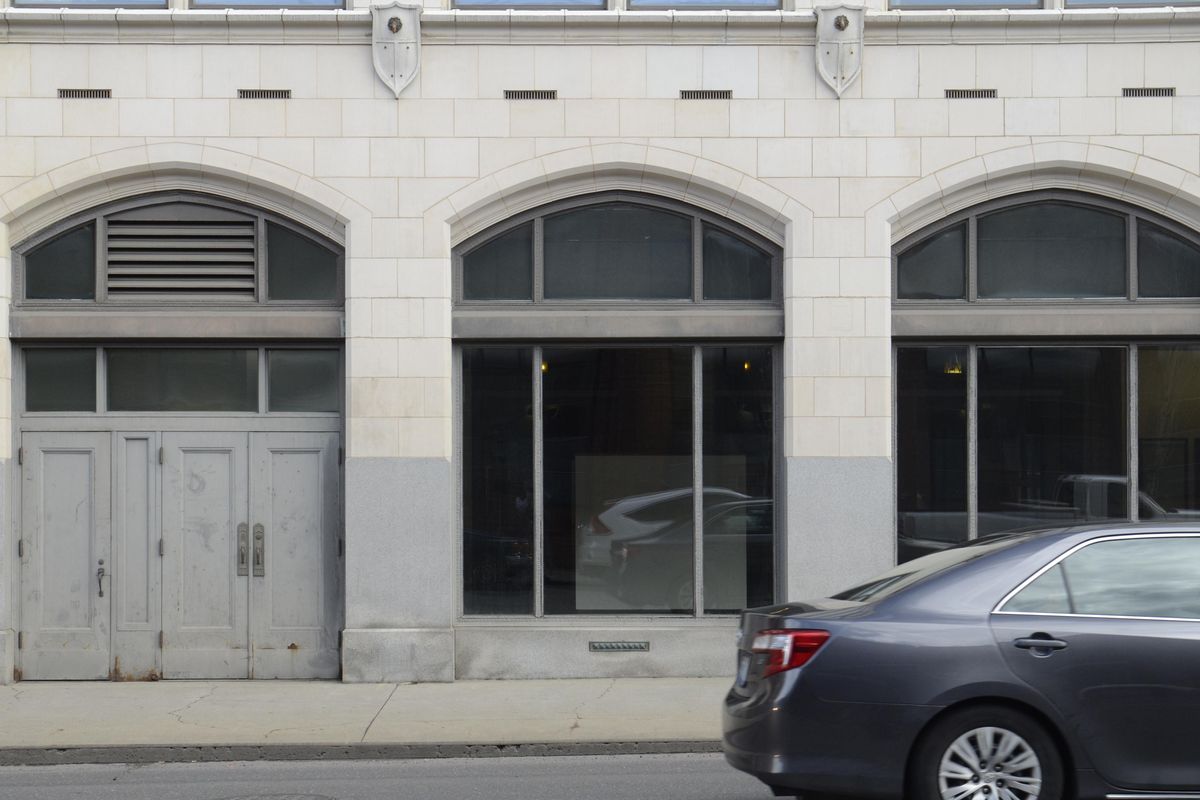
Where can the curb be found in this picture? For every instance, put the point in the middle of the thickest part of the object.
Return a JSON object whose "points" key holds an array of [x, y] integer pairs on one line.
{"points": [[152, 754]]}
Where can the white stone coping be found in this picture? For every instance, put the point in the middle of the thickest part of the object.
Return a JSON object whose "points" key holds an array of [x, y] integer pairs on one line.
{"points": [[1161, 24]]}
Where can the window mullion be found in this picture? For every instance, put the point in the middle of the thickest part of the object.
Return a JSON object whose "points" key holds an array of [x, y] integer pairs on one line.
{"points": [[698, 480], [697, 260], [1132, 405], [101, 260], [539, 262], [1131, 251], [973, 442], [539, 551], [972, 260]]}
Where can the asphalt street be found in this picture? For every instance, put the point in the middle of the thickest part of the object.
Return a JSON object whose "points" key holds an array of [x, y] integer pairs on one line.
{"points": [[656, 777]]}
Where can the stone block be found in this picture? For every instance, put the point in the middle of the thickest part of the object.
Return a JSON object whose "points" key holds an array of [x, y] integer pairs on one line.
{"points": [[395, 655]]}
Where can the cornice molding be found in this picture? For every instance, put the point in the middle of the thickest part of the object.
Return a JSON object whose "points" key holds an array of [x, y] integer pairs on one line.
{"points": [[438, 26]]}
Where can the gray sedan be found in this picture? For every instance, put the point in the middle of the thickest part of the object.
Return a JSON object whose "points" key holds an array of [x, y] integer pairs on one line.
{"points": [[1031, 666]]}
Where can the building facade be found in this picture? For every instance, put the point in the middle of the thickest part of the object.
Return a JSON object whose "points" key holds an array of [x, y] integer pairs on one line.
{"points": [[423, 344]]}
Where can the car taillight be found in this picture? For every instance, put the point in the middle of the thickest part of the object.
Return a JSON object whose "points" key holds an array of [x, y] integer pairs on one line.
{"points": [[787, 649]]}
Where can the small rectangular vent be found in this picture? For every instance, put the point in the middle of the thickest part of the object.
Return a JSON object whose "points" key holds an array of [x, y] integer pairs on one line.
{"points": [[181, 259], [1148, 91], [706, 94], [619, 647], [531, 94], [264, 94], [84, 94], [970, 94]]}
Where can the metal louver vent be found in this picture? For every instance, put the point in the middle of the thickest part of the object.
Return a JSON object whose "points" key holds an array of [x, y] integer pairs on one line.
{"points": [[1149, 91], [531, 94], [84, 94], [619, 647], [264, 94], [706, 94], [970, 94], [184, 260]]}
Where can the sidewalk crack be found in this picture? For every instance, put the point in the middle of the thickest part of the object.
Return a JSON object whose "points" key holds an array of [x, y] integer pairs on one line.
{"points": [[380, 711], [579, 708], [178, 712]]}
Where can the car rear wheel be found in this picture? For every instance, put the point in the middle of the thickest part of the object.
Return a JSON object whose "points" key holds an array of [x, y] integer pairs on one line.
{"points": [[987, 753]]}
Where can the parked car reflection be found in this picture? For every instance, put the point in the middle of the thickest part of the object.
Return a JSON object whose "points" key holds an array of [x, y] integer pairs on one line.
{"points": [[656, 570]]}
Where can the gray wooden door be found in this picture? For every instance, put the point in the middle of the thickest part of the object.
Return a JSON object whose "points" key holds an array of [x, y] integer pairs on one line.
{"points": [[137, 578], [66, 565], [205, 563], [295, 575]]}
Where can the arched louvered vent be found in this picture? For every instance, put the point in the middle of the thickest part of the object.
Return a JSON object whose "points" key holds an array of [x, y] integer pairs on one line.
{"points": [[182, 252]]}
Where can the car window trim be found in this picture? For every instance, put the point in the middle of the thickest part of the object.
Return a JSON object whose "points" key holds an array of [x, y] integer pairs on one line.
{"points": [[999, 607]]}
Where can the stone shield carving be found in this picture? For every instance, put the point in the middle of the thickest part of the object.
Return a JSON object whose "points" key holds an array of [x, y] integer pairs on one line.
{"points": [[839, 45], [396, 43]]}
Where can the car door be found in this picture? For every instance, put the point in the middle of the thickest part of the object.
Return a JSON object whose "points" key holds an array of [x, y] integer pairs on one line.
{"points": [[1110, 634]]}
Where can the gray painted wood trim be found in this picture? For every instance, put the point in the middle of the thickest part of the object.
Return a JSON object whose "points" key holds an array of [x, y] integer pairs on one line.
{"points": [[253, 323], [1118, 319], [592, 322]]}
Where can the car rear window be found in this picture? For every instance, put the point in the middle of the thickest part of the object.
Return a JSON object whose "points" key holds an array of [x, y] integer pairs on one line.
{"points": [[919, 569]]}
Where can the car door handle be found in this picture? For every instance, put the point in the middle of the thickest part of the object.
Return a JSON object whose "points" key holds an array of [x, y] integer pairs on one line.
{"points": [[1039, 643]]}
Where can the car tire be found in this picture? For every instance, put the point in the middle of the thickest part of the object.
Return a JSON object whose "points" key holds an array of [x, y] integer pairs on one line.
{"points": [[988, 734]]}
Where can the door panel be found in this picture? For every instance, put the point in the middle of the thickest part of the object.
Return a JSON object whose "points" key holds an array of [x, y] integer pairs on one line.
{"points": [[66, 529], [205, 601], [136, 584], [294, 602]]}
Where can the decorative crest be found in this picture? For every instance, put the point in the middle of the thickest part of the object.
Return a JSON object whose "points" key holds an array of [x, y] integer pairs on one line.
{"points": [[839, 45], [396, 43]]}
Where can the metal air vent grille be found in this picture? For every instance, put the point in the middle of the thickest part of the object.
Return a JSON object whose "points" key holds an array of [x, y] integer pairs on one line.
{"points": [[84, 94], [619, 647], [706, 94], [1148, 91], [184, 260], [531, 94], [264, 94], [970, 94]]}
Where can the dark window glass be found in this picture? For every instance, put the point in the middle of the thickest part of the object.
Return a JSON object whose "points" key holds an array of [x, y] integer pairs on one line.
{"points": [[303, 380], [498, 502], [931, 449], [734, 269], [1136, 578], [1047, 594], [552, 5], [935, 269], [59, 379], [905, 575], [502, 269], [617, 438], [192, 379], [1051, 436], [1051, 250], [298, 268], [63, 268], [739, 529], [1168, 266], [618, 251], [687, 4], [1169, 432]]}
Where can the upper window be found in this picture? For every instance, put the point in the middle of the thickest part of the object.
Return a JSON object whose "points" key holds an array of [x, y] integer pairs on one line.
{"points": [[181, 248], [1055, 246], [1130, 577], [618, 247]]}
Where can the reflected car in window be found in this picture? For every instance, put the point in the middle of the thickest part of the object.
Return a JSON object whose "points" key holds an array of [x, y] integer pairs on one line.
{"points": [[1025, 666]]}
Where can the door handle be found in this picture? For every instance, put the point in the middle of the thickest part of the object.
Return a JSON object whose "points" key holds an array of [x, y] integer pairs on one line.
{"points": [[1042, 642], [243, 545], [100, 580], [260, 555]]}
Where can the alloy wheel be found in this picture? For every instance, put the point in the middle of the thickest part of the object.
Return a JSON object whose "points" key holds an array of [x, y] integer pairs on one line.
{"points": [[990, 763]]}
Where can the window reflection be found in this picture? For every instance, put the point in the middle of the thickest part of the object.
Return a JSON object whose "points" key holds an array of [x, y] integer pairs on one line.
{"points": [[1136, 578], [498, 509], [618, 471], [931, 449], [1051, 436], [1169, 432]]}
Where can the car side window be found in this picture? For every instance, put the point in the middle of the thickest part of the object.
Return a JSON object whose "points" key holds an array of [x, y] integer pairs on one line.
{"points": [[1135, 577], [1046, 595]]}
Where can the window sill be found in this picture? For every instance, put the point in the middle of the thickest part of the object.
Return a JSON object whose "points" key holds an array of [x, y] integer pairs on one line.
{"points": [[691, 321], [254, 323], [1066, 320]]}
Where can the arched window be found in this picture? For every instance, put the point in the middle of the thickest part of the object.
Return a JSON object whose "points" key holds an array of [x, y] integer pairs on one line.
{"points": [[1047, 354], [179, 248], [617, 362]]}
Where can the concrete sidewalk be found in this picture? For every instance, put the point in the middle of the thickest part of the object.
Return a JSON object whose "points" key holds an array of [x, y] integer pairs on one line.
{"points": [[220, 720]]}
